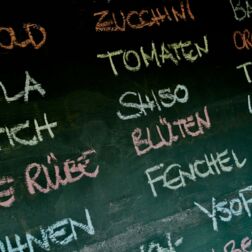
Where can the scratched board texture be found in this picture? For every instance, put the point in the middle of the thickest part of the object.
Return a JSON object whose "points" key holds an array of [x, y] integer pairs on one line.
{"points": [[82, 95]]}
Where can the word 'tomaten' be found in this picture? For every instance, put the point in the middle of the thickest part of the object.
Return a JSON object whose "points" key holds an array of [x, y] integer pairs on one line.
{"points": [[174, 53]]}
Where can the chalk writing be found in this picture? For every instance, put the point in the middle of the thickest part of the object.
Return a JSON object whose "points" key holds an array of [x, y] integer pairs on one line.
{"points": [[242, 9], [164, 98], [10, 39], [249, 104], [30, 85], [192, 126], [109, 21], [7, 194], [60, 233], [73, 171], [175, 53], [228, 208], [248, 78], [174, 177], [243, 40], [232, 247], [12, 133], [246, 71], [157, 247]]}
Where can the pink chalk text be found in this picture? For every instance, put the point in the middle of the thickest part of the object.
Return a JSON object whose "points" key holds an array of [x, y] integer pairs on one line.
{"points": [[170, 132], [73, 171]]}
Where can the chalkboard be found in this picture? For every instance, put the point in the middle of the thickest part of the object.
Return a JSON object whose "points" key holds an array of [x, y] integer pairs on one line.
{"points": [[126, 126]]}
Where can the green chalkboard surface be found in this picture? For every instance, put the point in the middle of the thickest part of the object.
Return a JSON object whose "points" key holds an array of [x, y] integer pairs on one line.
{"points": [[126, 126]]}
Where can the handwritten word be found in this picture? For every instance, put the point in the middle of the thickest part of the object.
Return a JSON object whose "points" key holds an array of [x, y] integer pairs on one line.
{"points": [[243, 39], [191, 126], [245, 69], [12, 133], [72, 173], [242, 9], [29, 28], [175, 52], [231, 246], [34, 172], [7, 194], [228, 208], [27, 89], [174, 177], [157, 247], [60, 233], [165, 98], [108, 21]]}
